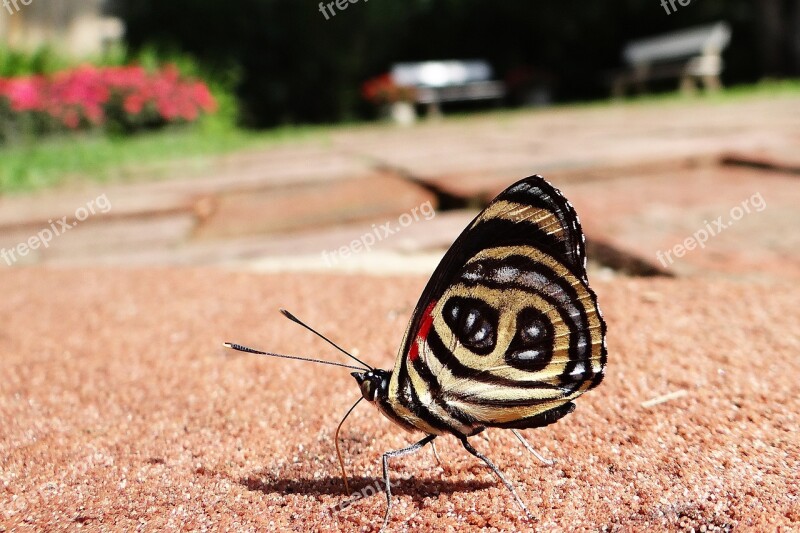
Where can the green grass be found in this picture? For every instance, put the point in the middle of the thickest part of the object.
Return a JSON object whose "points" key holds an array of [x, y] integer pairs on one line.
{"points": [[763, 89], [771, 88], [99, 158], [57, 161]]}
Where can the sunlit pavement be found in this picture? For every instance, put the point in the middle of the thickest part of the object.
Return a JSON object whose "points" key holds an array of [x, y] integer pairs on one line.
{"points": [[119, 406]]}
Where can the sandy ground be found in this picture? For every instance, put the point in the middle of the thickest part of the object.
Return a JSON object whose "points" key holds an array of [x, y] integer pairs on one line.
{"points": [[120, 410]]}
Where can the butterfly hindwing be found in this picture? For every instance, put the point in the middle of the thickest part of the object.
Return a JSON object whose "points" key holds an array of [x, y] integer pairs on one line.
{"points": [[507, 331], [515, 336]]}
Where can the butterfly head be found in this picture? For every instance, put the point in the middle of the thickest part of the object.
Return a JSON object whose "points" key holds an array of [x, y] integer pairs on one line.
{"points": [[373, 383]]}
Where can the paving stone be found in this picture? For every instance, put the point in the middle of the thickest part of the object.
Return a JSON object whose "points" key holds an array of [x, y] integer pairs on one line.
{"points": [[240, 173], [784, 158], [476, 157], [215, 207], [92, 241], [648, 214], [303, 250], [140, 200], [278, 209]]}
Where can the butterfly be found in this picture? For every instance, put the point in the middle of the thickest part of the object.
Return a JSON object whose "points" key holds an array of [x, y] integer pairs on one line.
{"points": [[507, 332]]}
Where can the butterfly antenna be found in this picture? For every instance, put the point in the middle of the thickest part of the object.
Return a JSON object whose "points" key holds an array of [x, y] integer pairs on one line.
{"points": [[339, 451], [293, 318], [245, 349]]}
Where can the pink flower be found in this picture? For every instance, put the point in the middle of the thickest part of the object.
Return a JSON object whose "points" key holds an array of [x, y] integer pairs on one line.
{"points": [[25, 94], [85, 94], [171, 73], [134, 104], [202, 96]]}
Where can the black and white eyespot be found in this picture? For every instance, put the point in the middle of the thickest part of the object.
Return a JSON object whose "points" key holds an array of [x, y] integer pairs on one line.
{"points": [[532, 346], [473, 322]]}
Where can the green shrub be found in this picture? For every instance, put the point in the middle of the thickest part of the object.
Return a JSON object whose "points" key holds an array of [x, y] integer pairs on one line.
{"points": [[43, 61], [45, 71]]}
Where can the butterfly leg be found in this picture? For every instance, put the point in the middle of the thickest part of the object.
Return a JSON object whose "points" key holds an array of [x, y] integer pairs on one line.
{"points": [[386, 457], [530, 448], [436, 454], [497, 472]]}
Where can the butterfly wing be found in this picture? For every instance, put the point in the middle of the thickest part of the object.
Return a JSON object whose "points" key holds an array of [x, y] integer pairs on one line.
{"points": [[507, 332]]}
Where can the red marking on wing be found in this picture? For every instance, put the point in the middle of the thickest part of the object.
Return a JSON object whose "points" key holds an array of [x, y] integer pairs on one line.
{"points": [[422, 333]]}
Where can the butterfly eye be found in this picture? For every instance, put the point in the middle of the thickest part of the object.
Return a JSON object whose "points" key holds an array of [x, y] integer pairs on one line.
{"points": [[473, 322]]}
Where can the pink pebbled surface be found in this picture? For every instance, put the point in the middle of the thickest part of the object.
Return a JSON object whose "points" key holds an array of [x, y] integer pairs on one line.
{"points": [[120, 410]]}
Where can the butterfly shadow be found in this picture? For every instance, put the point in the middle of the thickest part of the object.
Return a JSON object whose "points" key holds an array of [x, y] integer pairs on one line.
{"points": [[366, 486]]}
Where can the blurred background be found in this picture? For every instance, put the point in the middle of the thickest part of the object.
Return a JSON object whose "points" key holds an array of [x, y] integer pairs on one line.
{"points": [[277, 135]]}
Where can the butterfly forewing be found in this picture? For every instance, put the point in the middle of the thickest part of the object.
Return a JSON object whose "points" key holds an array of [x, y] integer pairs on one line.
{"points": [[507, 331]]}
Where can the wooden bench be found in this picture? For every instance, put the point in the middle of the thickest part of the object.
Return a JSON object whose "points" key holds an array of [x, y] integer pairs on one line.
{"points": [[437, 82], [690, 55]]}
